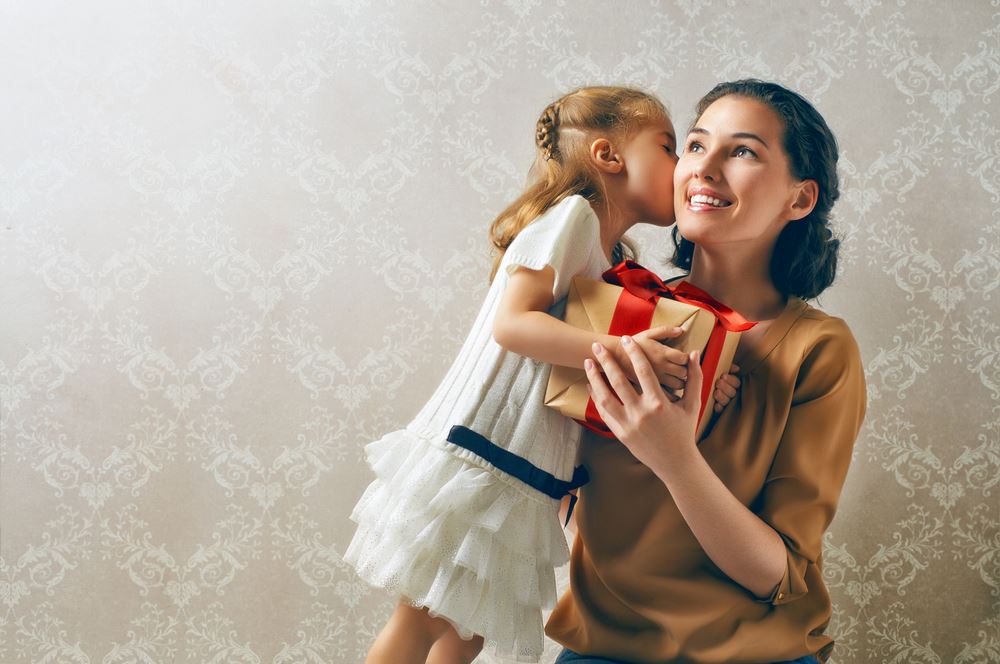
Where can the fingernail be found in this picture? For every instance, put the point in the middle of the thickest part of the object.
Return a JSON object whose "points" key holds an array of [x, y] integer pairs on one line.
{"points": [[588, 364], [598, 349], [626, 340]]}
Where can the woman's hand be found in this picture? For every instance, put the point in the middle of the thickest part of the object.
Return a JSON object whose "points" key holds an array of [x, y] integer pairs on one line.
{"points": [[650, 424], [669, 364]]}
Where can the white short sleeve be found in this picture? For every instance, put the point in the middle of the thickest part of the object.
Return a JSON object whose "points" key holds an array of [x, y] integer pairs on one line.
{"points": [[563, 237]]}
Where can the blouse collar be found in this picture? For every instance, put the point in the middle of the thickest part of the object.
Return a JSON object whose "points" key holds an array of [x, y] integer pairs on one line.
{"points": [[758, 352], [755, 355]]}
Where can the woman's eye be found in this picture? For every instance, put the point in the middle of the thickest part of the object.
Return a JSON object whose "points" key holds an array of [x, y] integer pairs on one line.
{"points": [[744, 151], [693, 146]]}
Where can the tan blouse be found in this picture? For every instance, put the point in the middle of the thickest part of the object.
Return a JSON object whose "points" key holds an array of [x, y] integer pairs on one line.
{"points": [[642, 588]]}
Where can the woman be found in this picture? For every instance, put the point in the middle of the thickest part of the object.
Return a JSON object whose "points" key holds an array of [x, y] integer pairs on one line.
{"points": [[709, 551]]}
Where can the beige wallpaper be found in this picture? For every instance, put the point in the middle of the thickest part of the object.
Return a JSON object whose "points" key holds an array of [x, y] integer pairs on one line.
{"points": [[240, 240]]}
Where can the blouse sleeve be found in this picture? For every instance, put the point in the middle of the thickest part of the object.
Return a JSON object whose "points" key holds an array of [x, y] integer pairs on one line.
{"points": [[802, 488], [563, 237]]}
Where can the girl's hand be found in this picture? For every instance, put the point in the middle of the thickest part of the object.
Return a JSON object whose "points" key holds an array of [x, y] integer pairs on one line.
{"points": [[650, 424], [669, 364], [725, 388]]}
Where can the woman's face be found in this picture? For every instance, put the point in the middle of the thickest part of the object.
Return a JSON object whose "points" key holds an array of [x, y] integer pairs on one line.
{"points": [[733, 182], [650, 159]]}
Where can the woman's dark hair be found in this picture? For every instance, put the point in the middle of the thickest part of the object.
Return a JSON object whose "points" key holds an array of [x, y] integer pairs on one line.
{"points": [[804, 262]]}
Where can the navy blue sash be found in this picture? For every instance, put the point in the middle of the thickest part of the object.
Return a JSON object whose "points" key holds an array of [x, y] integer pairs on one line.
{"points": [[518, 466]]}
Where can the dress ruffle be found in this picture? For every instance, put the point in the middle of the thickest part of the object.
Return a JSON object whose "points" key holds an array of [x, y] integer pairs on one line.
{"points": [[446, 530]]}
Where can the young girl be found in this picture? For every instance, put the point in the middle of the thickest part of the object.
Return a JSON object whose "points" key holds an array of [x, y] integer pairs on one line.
{"points": [[462, 520]]}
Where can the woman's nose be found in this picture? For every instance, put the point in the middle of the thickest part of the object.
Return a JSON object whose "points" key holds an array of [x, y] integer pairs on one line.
{"points": [[707, 169]]}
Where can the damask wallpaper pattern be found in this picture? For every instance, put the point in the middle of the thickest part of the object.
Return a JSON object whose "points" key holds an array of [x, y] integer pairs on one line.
{"points": [[241, 240]]}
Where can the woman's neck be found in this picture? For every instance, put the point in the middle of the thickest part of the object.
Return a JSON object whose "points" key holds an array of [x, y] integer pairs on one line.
{"points": [[741, 280]]}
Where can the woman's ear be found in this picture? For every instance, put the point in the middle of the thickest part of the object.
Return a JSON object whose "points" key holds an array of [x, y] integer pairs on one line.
{"points": [[604, 156], [806, 195]]}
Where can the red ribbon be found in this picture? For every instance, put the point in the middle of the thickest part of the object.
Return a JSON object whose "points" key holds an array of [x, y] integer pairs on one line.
{"points": [[634, 313]]}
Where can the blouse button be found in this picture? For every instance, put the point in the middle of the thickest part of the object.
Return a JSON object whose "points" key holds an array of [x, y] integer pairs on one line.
{"points": [[780, 595]]}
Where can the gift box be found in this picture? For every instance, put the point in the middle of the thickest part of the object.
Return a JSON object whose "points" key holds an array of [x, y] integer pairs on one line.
{"points": [[629, 300]]}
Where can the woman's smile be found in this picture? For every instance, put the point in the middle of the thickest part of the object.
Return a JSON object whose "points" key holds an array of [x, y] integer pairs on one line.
{"points": [[704, 199]]}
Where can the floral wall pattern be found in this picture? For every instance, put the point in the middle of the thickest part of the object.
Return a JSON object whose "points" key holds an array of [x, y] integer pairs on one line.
{"points": [[239, 241]]}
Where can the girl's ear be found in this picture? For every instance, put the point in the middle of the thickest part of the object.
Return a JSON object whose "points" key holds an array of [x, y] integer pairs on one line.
{"points": [[604, 156], [806, 195]]}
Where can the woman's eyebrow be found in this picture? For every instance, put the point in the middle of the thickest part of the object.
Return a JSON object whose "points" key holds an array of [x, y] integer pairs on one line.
{"points": [[739, 134]]}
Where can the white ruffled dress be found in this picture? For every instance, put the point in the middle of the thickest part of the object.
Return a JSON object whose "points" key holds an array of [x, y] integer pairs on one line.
{"points": [[442, 527]]}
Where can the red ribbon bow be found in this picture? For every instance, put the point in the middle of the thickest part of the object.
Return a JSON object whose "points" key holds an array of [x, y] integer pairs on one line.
{"points": [[634, 313]]}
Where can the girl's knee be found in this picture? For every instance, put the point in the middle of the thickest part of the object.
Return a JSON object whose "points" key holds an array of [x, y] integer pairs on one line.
{"points": [[469, 650], [453, 649], [418, 620]]}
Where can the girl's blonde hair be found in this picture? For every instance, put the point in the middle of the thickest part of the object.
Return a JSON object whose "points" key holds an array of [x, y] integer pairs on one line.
{"points": [[562, 166]]}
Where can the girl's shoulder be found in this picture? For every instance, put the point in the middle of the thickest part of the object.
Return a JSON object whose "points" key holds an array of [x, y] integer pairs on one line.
{"points": [[571, 208], [572, 220]]}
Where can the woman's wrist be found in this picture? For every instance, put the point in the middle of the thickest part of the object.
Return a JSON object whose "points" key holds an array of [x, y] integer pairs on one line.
{"points": [[682, 460]]}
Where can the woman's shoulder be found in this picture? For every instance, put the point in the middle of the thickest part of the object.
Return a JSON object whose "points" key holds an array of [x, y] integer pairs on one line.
{"points": [[825, 349], [814, 326]]}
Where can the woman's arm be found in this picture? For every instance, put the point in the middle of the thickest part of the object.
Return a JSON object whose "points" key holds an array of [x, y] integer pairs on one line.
{"points": [[768, 550], [661, 434], [744, 547]]}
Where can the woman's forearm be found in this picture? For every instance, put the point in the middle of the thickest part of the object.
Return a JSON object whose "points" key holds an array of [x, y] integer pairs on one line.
{"points": [[742, 545], [538, 335]]}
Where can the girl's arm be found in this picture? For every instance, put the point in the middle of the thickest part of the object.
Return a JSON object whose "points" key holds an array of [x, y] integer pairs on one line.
{"points": [[522, 324]]}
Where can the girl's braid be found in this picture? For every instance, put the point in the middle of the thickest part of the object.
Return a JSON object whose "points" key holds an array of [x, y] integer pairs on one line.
{"points": [[547, 131]]}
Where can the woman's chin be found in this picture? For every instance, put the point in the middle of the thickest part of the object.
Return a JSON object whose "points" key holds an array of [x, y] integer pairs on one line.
{"points": [[695, 230]]}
